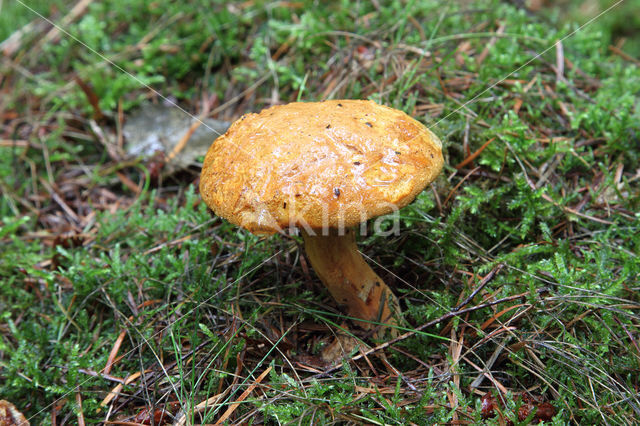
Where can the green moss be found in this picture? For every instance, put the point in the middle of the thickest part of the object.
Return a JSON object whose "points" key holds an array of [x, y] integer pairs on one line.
{"points": [[206, 307]]}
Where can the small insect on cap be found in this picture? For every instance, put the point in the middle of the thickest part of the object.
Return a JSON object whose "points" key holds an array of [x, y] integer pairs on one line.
{"points": [[318, 164]]}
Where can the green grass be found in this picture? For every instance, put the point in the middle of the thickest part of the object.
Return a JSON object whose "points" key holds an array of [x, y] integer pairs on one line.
{"points": [[14, 15], [206, 308]]}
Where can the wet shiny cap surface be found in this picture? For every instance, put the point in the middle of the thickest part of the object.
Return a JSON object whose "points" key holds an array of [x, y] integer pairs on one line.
{"points": [[318, 165]]}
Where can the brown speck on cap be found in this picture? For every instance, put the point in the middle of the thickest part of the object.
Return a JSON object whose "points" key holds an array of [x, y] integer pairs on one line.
{"points": [[247, 175]]}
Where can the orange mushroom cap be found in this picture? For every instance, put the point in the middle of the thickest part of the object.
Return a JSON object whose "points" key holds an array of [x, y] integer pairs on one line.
{"points": [[318, 164]]}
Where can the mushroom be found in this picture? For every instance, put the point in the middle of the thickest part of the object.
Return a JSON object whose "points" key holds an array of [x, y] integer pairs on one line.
{"points": [[10, 416], [324, 168]]}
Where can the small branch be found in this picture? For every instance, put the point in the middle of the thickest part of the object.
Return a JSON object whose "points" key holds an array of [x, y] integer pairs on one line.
{"points": [[559, 62], [486, 371], [430, 324], [624, 55], [114, 353], [101, 375], [92, 97], [80, 412], [473, 156], [242, 397], [455, 188], [486, 280], [14, 42], [77, 11], [208, 403]]}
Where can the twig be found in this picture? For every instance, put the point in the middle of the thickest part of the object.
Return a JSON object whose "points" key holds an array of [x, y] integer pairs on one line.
{"points": [[492, 41], [486, 280], [13, 43], [465, 139], [624, 55], [209, 402], [548, 198], [242, 397], [495, 317], [455, 188], [427, 325], [575, 212], [79, 407], [629, 335], [152, 380], [116, 390], [110, 145], [559, 62], [7, 143], [486, 371], [455, 350], [78, 10], [92, 97], [114, 352], [65, 207], [397, 372], [101, 375], [185, 138], [199, 119]]}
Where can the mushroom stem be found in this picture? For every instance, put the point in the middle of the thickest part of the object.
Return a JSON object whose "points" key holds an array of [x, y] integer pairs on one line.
{"points": [[351, 281]]}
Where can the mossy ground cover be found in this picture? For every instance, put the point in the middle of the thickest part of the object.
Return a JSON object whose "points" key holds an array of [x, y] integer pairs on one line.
{"points": [[123, 298]]}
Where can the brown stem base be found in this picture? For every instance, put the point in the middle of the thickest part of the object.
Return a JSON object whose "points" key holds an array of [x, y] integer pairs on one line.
{"points": [[351, 281]]}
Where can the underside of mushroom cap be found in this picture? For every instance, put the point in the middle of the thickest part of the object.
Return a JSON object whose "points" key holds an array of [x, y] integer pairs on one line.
{"points": [[318, 165]]}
